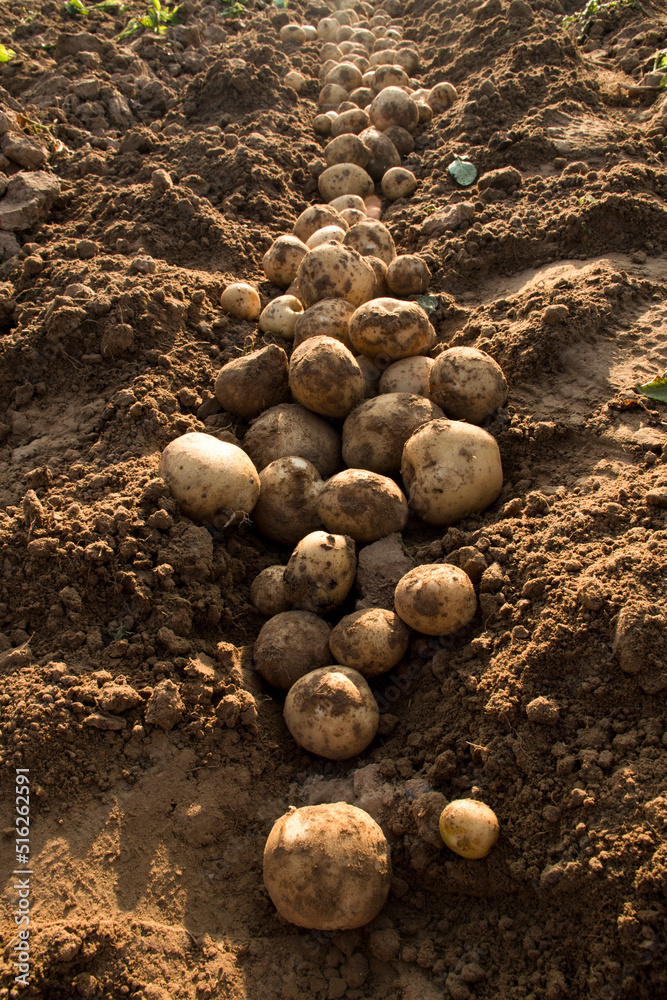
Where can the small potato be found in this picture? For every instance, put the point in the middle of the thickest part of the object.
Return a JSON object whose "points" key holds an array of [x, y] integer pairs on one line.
{"points": [[409, 59], [310, 32], [365, 37], [325, 69], [407, 275], [311, 219], [241, 300], [267, 592], [325, 378], [293, 33], [344, 178], [252, 383], [390, 328], [371, 238], [332, 271], [295, 80], [348, 201], [373, 206], [393, 106], [290, 429], [327, 29], [346, 148], [371, 641], [383, 153], [362, 96], [212, 481], [346, 75], [327, 867], [330, 51], [328, 234], [436, 599], [346, 106], [371, 374], [320, 572], [399, 182], [425, 112], [450, 470], [441, 97], [385, 56], [286, 510], [344, 33], [282, 259], [332, 712], [327, 318], [362, 504], [280, 316], [350, 121], [352, 216], [322, 124], [408, 375], [375, 432], [332, 95], [468, 384], [289, 646], [389, 76], [469, 828], [401, 139]]}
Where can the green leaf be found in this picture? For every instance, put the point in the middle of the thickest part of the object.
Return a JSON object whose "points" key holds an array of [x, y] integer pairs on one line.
{"points": [[74, 7], [156, 6], [6, 54], [429, 303], [463, 172], [657, 389]]}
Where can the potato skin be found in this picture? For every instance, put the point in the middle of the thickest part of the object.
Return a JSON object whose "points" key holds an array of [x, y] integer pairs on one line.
{"points": [[327, 867], [282, 259], [332, 712], [363, 505], [408, 274], [371, 238], [408, 375], [290, 429], [435, 599], [371, 641], [469, 828], [331, 271], [320, 572], [468, 384], [267, 592], [248, 385], [327, 318], [325, 378], [375, 432], [289, 646], [390, 328], [287, 506], [316, 217]]}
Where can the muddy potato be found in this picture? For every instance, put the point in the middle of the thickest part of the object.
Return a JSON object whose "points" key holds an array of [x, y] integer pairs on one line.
{"points": [[408, 375], [346, 201], [350, 121], [408, 274], [331, 96], [327, 29], [330, 52], [289, 429], [347, 148], [450, 469], [325, 68], [289, 646], [327, 867], [332, 712], [313, 218], [373, 206], [393, 106], [383, 57], [362, 504], [352, 216], [362, 96], [375, 432], [364, 37], [267, 592], [328, 234], [344, 178], [320, 572], [408, 59], [293, 33], [282, 259], [322, 124], [389, 76], [332, 271], [325, 378], [391, 329], [241, 300], [399, 182], [212, 481], [468, 384], [371, 641], [383, 153], [310, 31], [287, 506], [252, 383], [401, 139], [295, 80], [280, 316], [327, 318], [469, 828], [425, 112], [346, 75], [441, 97], [371, 238], [371, 374], [380, 269], [436, 599]]}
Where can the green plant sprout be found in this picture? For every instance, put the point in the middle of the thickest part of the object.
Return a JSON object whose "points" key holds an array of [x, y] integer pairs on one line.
{"points": [[158, 19], [657, 389], [6, 54], [591, 8], [235, 9], [660, 65], [75, 8]]}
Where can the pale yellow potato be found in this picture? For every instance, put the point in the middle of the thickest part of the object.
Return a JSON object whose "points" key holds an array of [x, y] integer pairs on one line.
{"points": [[289, 429], [324, 69], [352, 216], [408, 375], [393, 106], [468, 384], [328, 234], [375, 432], [371, 238], [325, 378], [350, 121], [313, 218], [212, 481], [252, 383], [344, 33], [365, 37], [469, 828], [310, 31], [320, 572], [327, 318], [267, 592], [450, 470], [280, 316], [383, 154], [362, 504], [330, 51], [391, 329], [293, 33], [342, 16], [282, 259], [332, 95], [332, 271], [390, 76], [408, 58], [332, 712], [346, 75], [383, 57], [408, 274], [347, 148], [435, 599], [289, 646], [241, 300], [327, 29], [286, 510], [344, 178], [441, 97], [398, 182], [348, 201], [371, 641], [295, 80], [327, 867]]}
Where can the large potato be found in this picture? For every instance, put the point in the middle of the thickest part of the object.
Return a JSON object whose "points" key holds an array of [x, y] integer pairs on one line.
{"points": [[408, 274], [408, 375], [287, 506], [371, 641], [383, 153], [375, 432], [346, 74], [327, 867], [313, 218], [332, 712], [393, 106], [371, 238], [331, 271], [289, 646], [212, 481], [325, 378], [320, 572], [282, 259], [436, 599], [346, 148], [362, 504], [390, 328], [468, 384], [252, 383], [267, 591], [289, 429], [450, 470], [327, 318], [344, 178]]}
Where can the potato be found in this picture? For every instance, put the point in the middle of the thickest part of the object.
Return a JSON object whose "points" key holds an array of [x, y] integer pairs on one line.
{"points": [[344, 33], [425, 112], [468, 384], [367, 38], [280, 316], [389, 76], [371, 641], [267, 592], [408, 59], [362, 504], [399, 182], [282, 259], [331, 96], [362, 96], [291, 645], [328, 234], [347, 201], [327, 29], [408, 375], [332, 712], [371, 238], [287, 506], [401, 139], [350, 121], [327, 867], [322, 124], [335, 272], [436, 599], [325, 68], [325, 378], [441, 97], [344, 178], [393, 106], [373, 206], [320, 572], [380, 268], [347, 105], [310, 32], [346, 75], [371, 374], [375, 432], [252, 383], [241, 300], [469, 828], [331, 51], [391, 328], [346, 148], [295, 80], [212, 481], [407, 274], [385, 56], [290, 429], [293, 33], [327, 318], [450, 469], [311, 219], [383, 153], [352, 216]]}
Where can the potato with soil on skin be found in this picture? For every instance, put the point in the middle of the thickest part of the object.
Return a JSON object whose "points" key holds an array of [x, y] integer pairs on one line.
{"points": [[362, 504], [362, 96], [281, 261], [468, 384], [280, 316], [328, 234], [293, 33], [212, 481], [408, 274], [325, 378], [408, 375], [289, 646], [241, 300], [375, 432], [289, 429], [350, 121], [346, 148], [393, 106], [352, 216], [327, 318], [408, 58], [346, 201], [383, 153], [332, 712], [267, 592], [295, 80], [371, 374], [391, 328], [346, 75], [435, 599], [320, 572], [390, 76], [287, 506], [399, 182], [380, 268], [313, 218], [327, 867], [469, 828], [371, 238], [332, 271], [401, 139], [371, 641], [250, 384], [441, 97], [450, 470], [331, 96], [344, 178]]}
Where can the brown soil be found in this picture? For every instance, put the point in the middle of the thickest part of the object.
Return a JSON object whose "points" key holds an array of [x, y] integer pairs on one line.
{"points": [[146, 842]]}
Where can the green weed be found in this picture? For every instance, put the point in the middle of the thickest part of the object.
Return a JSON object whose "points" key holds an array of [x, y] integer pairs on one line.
{"points": [[585, 16], [158, 19], [75, 8], [660, 65], [6, 54], [233, 8]]}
